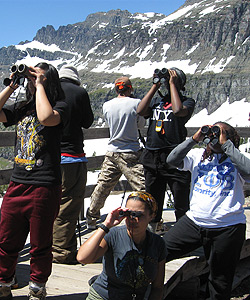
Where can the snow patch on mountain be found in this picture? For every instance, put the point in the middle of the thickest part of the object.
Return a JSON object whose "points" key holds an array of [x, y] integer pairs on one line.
{"points": [[236, 114], [41, 46], [219, 67]]}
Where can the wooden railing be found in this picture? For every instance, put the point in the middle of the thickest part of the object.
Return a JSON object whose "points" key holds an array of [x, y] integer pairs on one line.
{"points": [[7, 138]]}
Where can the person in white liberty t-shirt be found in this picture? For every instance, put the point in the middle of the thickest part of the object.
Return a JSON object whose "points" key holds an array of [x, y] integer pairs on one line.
{"points": [[216, 218]]}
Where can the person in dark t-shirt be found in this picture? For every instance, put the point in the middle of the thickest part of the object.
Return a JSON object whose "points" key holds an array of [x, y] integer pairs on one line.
{"points": [[133, 257], [32, 199], [167, 118], [73, 166]]}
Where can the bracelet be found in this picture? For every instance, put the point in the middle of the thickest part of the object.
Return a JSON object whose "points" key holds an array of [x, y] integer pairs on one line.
{"points": [[103, 227], [11, 87]]}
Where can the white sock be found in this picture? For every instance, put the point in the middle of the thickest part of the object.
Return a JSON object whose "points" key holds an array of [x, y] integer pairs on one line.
{"points": [[36, 286]]}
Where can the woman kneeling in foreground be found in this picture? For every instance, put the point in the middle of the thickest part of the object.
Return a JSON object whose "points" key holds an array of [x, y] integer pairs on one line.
{"points": [[134, 258]]}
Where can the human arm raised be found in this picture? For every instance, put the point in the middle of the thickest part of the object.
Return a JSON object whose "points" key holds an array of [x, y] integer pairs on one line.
{"points": [[177, 155], [173, 85], [45, 113], [240, 160], [143, 108], [96, 246], [177, 106], [4, 96]]}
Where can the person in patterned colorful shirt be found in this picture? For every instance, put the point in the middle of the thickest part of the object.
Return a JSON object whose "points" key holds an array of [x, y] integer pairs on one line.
{"points": [[32, 199]]}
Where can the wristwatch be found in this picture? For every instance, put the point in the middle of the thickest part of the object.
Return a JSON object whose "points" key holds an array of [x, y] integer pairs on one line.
{"points": [[103, 227]]}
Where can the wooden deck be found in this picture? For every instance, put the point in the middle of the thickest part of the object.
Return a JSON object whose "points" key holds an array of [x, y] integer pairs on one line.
{"points": [[70, 282]]}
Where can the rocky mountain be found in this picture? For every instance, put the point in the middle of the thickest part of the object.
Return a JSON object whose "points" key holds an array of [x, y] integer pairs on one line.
{"points": [[209, 40]]}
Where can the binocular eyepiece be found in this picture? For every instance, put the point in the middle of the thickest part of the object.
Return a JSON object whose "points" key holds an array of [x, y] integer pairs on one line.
{"points": [[130, 213], [160, 75], [21, 69], [20, 73], [211, 134]]}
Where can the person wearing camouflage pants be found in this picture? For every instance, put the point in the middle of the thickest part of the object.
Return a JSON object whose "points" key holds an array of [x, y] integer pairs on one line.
{"points": [[123, 150]]}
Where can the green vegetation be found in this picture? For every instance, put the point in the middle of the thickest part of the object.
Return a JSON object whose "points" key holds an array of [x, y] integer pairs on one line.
{"points": [[3, 189], [5, 164]]}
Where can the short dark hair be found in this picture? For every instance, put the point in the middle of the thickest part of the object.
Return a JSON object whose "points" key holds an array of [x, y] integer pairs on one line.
{"points": [[122, 85]]}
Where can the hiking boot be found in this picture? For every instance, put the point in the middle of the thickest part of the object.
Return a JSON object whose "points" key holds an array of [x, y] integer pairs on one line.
{"points": [[90, 221], [91, 224], [5, 293], [160, 226], [36, 292], [152, 226], [156, 226]]}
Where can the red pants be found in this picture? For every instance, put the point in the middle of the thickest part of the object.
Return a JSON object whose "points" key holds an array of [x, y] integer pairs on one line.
{"points": [[28, 208]]}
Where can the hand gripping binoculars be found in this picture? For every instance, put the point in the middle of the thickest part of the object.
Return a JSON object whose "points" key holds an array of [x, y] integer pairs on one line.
{"points": [[160, 75], [211, 134], [20, 73]]}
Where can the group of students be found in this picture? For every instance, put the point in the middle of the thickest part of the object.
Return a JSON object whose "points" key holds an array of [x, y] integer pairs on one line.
{"points": [[147, 169], [133, 256]]}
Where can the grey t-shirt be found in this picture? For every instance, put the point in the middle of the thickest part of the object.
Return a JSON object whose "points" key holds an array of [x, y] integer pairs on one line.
{"points": [[124, 264], [123, 121]]}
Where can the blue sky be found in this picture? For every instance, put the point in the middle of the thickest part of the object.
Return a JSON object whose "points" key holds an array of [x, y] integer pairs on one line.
{"points": [[21, 19]]}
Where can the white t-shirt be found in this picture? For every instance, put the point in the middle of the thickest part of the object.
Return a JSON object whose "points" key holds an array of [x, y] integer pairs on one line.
{"points": [[216, 194], [123, 121]]}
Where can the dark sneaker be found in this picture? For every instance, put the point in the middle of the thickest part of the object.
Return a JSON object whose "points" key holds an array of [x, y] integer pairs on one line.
{"points": [[5, 293], [37, 293]]}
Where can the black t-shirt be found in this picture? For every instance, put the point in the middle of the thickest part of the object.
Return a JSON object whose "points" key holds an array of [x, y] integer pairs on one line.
{"points": [[37, 150], [172, 131], [81, 116]]}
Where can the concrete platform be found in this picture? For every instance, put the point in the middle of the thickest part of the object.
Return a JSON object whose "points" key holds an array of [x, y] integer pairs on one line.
{"points": [[70, 282]]}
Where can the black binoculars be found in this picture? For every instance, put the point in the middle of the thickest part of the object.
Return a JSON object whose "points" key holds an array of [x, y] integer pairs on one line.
{"points": [[211, 134], [20, 73], [130, 213], [160, 75]]}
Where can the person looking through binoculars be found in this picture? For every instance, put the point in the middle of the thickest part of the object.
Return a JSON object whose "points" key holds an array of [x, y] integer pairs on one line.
{"points": [[133, 257], [32, 199], [216, 219], [167, 118]]}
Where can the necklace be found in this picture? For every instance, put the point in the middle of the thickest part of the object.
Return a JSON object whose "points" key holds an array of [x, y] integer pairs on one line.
{"points": [[141, 260]]}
